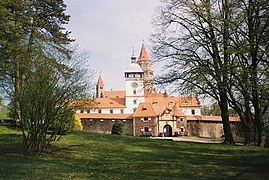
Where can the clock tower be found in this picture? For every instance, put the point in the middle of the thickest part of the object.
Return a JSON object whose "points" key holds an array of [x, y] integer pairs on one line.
{"points": [[134, 84]]}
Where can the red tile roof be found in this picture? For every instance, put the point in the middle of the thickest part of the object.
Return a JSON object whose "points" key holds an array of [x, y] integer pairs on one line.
{"points": [[145, 110], [114, 94], [110, 102], [100, 81], [143, 54], [104, 116], [159, 100]]}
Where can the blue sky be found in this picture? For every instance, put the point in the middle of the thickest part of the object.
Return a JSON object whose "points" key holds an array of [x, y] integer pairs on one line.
{"points": [[109, 29]]}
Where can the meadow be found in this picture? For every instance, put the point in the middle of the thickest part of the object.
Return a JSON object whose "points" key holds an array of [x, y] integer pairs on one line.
{"points": [[85, 155]]}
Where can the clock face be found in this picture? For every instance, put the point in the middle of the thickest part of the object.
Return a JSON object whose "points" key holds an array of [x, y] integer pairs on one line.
{"points": [[134, 84]]}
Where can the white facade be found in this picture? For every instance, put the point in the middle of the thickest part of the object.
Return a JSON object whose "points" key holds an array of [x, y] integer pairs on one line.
{"points": [[134, 87], [191, 111]]}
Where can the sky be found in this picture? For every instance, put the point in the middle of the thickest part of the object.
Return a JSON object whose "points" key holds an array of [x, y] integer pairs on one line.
{"points": [[109, 30]]}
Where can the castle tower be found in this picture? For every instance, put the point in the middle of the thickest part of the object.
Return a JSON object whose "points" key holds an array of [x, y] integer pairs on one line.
{"points": [[134, 84], [145, 63], [100, 87]]}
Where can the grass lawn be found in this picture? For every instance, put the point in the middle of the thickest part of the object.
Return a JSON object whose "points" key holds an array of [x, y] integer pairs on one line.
{"points": [[83, 155]]}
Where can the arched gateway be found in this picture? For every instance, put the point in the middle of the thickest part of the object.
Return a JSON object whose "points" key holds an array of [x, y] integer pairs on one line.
{"points": [[167, 130]]}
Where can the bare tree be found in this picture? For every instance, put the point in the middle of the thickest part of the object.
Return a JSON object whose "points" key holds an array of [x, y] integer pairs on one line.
{"points": [[194, 42]]}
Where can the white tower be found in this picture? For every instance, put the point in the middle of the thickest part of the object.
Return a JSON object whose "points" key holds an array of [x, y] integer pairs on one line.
{"points": [[134, 85]]}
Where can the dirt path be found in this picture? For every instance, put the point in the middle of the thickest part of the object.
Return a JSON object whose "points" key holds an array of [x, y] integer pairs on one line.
{"points": [[190, 139]]}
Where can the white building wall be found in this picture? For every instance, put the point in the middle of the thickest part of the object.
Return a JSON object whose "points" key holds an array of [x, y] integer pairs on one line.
{"points": [[103, 111], [188, 111], [131, 97]]}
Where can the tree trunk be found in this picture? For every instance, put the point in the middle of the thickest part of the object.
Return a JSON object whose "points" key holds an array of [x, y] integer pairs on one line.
{"points": [[17, 90], [225, 118]]}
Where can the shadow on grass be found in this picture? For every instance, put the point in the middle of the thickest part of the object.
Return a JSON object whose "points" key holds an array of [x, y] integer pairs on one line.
{"points": [[85, 155]]}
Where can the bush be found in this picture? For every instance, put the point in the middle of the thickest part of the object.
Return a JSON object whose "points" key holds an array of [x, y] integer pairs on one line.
{"points": [[77, 123], [117, 127]]}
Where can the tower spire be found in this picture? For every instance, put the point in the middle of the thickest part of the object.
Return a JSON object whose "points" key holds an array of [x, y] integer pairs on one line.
{"points": [[144, 62], [133, 57], [143, 54], [100, 87]]}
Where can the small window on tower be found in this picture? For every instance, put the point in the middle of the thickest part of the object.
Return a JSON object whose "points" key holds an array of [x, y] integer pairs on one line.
{"points": [[193, 111], [111, 111], [121, 111], [134, 91], [135, 101]]}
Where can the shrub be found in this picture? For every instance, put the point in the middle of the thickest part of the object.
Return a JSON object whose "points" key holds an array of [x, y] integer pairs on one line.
{"points": [[77, 123], [117, 127]]}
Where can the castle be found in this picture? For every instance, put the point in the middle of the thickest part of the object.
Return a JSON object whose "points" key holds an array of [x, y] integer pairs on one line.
{"points": [[146, 112]]}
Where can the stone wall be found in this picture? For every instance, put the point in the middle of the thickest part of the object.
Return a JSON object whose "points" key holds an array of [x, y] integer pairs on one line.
{"points": [[105, 126], [139, 124], [210, 129]]}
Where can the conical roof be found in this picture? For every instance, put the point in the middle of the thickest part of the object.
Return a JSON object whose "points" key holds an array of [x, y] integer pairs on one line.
{"points": [[143, 54], [100, 81]]}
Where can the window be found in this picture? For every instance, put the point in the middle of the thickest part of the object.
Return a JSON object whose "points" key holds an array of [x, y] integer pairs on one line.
{"points": [[146, 129], [88, 111], [146, 119], [121, 111], [135, 101], [134, 92], [111, 111], [99, 111], [81, 111], [193, 111]]}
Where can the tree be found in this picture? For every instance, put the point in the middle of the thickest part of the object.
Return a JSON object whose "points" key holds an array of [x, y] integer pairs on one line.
{"points": [[193, 41], [117, 127], [219, 48], [249, 85], [38, 69], [45, 109], [28, 26]]}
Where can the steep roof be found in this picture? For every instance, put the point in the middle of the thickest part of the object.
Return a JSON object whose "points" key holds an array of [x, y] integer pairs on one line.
{"points": [[100, 81], [110, 103], [114, 94], [143, 54], [164, 100], [177, 111], [144, 110], [149, 109]]}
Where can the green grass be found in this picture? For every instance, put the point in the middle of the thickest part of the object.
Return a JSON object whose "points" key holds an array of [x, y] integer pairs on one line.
{"points": [[83, 155]]}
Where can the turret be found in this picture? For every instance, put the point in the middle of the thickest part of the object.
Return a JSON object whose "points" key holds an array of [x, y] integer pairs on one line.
{"points": [[100, 87], [145, 63]]}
